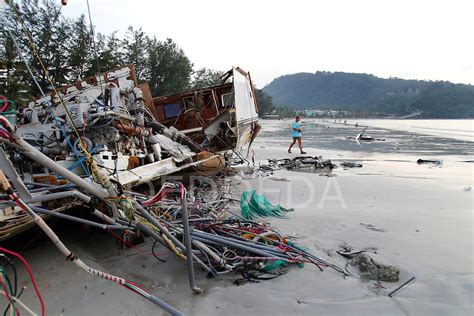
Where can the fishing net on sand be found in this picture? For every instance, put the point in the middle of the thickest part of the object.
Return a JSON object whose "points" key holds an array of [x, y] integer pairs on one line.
{"points": [[254, 205]]}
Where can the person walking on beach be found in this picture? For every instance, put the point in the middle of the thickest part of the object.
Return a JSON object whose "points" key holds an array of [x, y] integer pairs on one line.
{"points": [[296, 134]]}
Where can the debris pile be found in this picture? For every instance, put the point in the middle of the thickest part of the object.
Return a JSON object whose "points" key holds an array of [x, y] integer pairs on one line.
{"points": [[373, 270], [297, 163], [304, 162]]}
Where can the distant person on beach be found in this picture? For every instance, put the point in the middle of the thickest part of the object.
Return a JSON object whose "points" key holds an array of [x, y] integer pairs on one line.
{"points": [[296, 134]]}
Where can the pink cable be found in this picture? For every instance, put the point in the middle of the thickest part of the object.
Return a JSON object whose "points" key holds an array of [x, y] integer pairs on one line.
{"points": [[5, 104], [157, 196]]}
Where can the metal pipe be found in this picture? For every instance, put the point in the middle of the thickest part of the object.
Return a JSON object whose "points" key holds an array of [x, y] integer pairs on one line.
{"points": [[189, 250], [245, 243], [59, 195], [217, 241], [38, 156], [103, 217], [77, 219], [165, 231], [52, 187], [298, 250]]}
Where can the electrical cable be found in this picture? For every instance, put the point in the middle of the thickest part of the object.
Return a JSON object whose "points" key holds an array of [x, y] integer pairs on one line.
{"points": [[9, 297], [154, 254], [16, 299], [28, 268]]}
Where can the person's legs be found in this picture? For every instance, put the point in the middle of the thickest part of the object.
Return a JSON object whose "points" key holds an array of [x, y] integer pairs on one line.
{"points": [[294, 142], [300, 144]]}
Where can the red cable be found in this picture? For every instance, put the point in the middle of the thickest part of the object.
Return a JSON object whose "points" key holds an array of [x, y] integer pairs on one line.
{"points": [[31, 276]]}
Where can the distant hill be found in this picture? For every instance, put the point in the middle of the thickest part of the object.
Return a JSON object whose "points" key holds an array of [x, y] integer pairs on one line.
{"points": [[368, 93]]}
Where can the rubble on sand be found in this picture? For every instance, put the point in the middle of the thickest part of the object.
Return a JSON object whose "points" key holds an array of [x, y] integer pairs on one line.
{"points": [[297, 163], [373, 270], [428, 161], [350, 164]]}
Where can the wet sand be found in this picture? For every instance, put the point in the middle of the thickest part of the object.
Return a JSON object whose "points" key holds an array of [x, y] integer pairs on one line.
{"points": [[423, 217]]}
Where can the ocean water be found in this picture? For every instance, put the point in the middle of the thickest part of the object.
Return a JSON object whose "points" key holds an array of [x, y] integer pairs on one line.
{"points": [[403, 137], [455, 129]]}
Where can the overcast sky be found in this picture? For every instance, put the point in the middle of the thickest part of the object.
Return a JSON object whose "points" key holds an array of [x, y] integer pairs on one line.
{"points": [[408, 39]]}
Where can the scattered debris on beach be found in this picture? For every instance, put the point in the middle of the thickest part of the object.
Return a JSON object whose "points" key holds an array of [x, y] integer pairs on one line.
{"points": [[428, 161], [373, 270], [374, 228], [350, 164], [299, 163]]}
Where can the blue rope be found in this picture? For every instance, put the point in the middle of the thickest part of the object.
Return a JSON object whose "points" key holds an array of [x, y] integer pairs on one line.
{"points": [[58, 124], [81, 159]]}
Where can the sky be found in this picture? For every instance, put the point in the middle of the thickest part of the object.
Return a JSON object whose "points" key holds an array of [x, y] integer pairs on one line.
{"points": [[414, 39]]}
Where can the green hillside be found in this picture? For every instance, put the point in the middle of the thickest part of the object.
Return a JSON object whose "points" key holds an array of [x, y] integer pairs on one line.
{"points": [[368, 93]]}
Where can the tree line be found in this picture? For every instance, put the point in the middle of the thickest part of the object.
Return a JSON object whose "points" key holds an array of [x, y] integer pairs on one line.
{"points": [[66, 49]]}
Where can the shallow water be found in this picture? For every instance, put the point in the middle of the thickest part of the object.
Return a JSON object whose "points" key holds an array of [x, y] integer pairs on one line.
{"points": [[406, 137]]}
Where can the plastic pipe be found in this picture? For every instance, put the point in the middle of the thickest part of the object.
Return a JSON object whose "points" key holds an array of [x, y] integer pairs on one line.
{"points": [[59, 195], [78, 220]]}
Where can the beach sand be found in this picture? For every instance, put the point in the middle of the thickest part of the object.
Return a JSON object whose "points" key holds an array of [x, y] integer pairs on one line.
{"points": [[416, 217]]}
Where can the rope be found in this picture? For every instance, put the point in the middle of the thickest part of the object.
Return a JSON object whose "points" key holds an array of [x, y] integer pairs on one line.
{"points": [[95, 46]]}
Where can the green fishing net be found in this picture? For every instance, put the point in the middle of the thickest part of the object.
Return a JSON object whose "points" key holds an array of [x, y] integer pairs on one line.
{"points": [[254, 205]]}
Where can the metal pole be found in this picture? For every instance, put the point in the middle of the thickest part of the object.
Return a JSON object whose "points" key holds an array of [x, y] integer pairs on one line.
{"points": [[398, 289], [189, 250], [217, 241]]}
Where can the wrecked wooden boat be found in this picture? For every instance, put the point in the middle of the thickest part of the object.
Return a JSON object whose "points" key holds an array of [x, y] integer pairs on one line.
{"points": [[109, 130], [222, 117]]}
